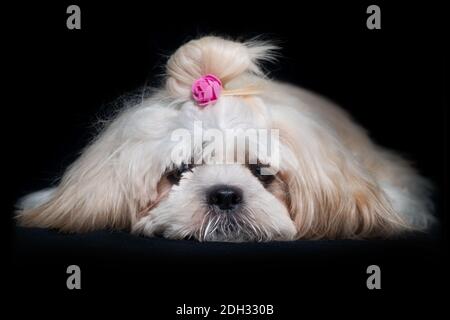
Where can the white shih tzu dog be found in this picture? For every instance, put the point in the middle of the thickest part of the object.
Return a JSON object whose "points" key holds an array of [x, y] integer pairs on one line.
{"points": [[300, 169]]}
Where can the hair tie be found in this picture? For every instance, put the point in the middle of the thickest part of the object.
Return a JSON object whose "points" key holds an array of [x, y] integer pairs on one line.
{"points": [[206, 90]]}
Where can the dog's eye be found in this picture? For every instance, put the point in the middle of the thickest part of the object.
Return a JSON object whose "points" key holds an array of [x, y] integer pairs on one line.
{"points": [[175, 175], [256, 169]]}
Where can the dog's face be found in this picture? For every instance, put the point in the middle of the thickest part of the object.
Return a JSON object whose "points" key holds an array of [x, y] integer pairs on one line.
{"points": [[220, 203], [227, 191]]}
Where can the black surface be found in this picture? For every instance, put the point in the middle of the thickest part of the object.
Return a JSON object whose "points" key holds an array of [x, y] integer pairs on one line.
{"points": [[160, 274], [391, 80], [118, 245]]}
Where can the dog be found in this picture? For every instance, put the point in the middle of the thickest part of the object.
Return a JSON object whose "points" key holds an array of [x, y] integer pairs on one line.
{"points": [[324, 178]]}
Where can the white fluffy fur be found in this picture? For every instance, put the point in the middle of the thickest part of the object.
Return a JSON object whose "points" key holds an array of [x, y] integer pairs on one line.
{"points": [[333, 181]]}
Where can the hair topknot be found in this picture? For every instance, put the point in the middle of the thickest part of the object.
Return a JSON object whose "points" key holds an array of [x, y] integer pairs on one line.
{"points": [[226, 59]]}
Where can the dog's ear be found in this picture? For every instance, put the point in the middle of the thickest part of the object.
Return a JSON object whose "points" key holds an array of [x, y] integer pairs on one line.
{"points": [[331, 195], [112, 181]]}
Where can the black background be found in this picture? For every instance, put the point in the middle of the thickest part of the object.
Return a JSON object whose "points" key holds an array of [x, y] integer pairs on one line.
{"points": [[391, 80]]}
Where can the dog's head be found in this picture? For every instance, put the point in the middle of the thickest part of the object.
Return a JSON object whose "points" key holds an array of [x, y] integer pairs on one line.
{"points": [[223, 180]]}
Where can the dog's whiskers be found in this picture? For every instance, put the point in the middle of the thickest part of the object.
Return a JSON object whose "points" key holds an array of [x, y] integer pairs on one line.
{"points": [[239, 226], [202, 225]]}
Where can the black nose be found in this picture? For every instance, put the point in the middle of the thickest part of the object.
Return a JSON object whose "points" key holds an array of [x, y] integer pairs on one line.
{"points": [[225, 197]]}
